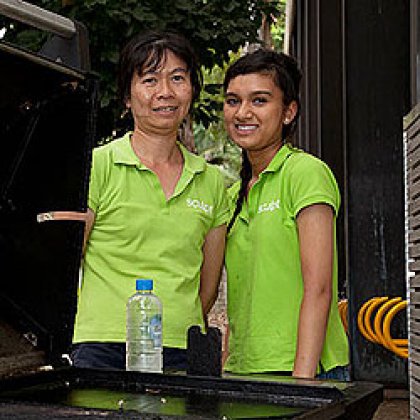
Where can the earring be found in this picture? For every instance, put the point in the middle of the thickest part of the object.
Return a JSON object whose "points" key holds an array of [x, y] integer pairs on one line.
{"points": [[124, 113]]}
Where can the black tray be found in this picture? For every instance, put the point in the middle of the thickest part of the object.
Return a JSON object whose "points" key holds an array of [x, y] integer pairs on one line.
{"points": [[97, 394]]}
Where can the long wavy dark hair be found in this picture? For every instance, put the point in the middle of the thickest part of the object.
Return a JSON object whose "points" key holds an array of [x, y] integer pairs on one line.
{"points": [[287, 76]]}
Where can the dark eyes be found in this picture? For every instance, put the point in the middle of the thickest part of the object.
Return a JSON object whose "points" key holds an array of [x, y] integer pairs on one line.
{"points": [[255, 101], [231, 101], [151, 80], [178, 78], [259, 100]]}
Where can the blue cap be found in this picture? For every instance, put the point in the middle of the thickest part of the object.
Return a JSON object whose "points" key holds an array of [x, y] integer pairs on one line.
{"points": [[144, 284]]}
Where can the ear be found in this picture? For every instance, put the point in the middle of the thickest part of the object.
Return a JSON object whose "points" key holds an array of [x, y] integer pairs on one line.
{"points": [[290, 112]]}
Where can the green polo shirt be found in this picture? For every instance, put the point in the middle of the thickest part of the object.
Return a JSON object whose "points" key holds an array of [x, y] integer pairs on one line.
{"points": [[265, 284], [139, 233]]}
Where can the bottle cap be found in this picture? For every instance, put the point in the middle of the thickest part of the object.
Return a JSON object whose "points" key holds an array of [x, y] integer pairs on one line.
{"points": [[144, 284]]}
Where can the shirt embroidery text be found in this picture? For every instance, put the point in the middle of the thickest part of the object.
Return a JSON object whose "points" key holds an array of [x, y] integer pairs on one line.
{"points": [[271, 206], [198, 204]]}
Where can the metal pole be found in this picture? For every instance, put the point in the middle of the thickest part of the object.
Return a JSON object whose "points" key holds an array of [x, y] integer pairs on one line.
{"points": [[38, 17], [289, 23]]}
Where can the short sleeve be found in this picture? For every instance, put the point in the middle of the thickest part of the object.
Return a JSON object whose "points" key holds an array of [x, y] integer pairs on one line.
{"points": [[96, 179], [221, 210], [311, 182]]}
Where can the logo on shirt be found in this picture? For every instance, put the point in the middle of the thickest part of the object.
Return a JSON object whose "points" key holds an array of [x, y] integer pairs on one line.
{"points": [[198, 204], [271, 206]]}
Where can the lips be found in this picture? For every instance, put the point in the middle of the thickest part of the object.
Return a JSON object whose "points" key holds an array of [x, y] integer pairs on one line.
{"points": [[246, 128], [165, 108]]}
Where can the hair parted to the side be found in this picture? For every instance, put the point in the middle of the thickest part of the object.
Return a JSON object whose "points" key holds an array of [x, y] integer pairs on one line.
{"points": [[147, 50], [287, 76]]}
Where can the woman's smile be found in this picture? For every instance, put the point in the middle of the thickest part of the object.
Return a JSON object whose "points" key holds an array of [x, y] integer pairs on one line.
{"points": [[254, 111], [160, 99], [245, 129]]}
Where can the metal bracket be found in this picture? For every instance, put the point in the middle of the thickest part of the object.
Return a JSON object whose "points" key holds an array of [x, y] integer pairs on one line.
{"points": [[69, 44]]}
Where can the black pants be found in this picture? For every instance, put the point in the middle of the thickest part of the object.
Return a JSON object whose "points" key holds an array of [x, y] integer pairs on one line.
{"points": [[112, 356]]}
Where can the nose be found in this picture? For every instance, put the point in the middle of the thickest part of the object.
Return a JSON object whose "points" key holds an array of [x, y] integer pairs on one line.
{"points": [[243, 112], [165, 89]]}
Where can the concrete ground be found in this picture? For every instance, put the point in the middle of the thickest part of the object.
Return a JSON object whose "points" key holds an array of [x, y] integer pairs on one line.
{"points": [[395, 406], [393, 410]]}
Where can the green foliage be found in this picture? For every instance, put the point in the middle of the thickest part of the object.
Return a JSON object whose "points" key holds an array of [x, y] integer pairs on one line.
{"points": [[278, 25], [215, 28], [213, 144], [211, 139]]}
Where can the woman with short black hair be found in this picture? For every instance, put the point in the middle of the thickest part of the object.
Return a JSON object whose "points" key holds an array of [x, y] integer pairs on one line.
{"points": [[155, 210]]}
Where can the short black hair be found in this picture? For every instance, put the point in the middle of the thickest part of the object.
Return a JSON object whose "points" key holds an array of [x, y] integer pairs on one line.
{"points": [[282, 67], [146, 50]]}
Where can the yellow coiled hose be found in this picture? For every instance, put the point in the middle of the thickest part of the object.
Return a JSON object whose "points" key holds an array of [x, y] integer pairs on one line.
{"points": [[380, 333]]}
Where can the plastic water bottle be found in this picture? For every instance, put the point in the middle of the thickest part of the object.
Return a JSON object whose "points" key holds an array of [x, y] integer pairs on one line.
{"points": [[144, 329]]}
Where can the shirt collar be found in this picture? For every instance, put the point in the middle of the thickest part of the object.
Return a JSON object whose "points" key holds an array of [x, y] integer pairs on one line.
{"points": [[124, 154], [192, 163], [278, 160]]}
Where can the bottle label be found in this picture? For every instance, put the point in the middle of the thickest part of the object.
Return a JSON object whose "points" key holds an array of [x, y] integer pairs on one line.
{"points": [[156, 330]]}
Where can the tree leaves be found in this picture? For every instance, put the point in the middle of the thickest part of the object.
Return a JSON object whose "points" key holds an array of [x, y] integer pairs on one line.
{"points": [[215, 28]]}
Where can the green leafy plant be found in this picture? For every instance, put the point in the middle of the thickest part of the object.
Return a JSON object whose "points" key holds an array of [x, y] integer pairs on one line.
{"points": [[215, 28], [211, 139], [278, 25]]}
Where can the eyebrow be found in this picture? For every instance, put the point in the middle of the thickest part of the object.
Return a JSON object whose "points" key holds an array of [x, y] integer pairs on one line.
{"points": [[176, 70], [255, 92], [179, 69]]}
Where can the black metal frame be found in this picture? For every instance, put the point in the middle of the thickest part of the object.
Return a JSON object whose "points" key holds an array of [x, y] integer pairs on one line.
{"points": [[355, 56], [47, 131], [321, 400]]}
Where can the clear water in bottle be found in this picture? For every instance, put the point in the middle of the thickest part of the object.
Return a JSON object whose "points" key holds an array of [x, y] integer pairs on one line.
{"points": [[144, 329]]}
